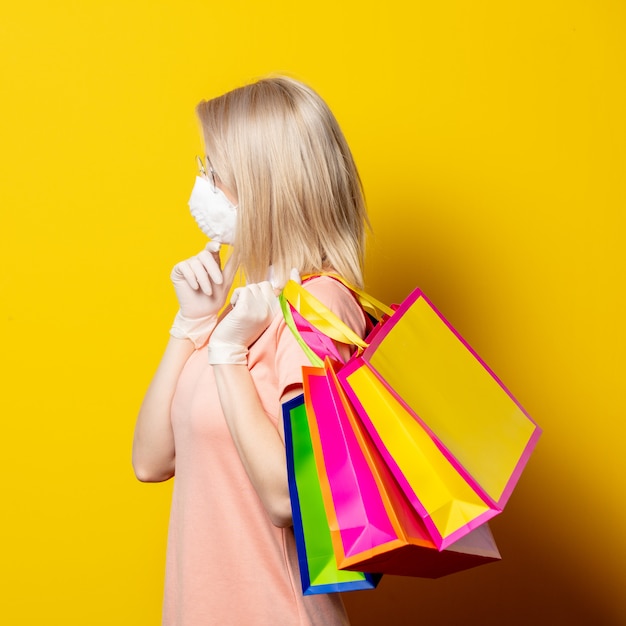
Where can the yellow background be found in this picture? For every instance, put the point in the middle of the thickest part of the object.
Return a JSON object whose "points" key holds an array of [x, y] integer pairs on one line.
{"points": [[491, 138]]}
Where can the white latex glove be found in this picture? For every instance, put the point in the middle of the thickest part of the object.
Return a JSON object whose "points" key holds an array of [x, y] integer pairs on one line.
{"points": [[254, 308], [201, 288]]}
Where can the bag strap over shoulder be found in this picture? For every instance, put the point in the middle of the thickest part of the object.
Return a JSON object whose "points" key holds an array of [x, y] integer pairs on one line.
{"points": [[286, 309], [323, 319], [370, 304]]}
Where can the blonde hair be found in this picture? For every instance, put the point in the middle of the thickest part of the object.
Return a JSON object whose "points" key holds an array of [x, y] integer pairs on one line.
{"points": [[276, 144]]}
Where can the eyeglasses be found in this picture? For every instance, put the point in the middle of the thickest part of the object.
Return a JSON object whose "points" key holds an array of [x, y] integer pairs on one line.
{"points": [[202, 170]]}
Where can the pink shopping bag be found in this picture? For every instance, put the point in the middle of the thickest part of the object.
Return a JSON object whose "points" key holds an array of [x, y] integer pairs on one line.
{"points": [[373, 526]]}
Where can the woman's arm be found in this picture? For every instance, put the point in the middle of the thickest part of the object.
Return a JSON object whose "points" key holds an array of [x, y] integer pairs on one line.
{"points": [[153, 444], [258, 442], [201, 288]]}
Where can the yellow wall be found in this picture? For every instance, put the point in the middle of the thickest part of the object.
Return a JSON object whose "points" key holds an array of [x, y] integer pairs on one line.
{"points": [[491, 138]]}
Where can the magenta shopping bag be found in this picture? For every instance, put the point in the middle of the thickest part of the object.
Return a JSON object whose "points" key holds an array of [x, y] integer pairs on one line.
{"points": [[373, 526]]}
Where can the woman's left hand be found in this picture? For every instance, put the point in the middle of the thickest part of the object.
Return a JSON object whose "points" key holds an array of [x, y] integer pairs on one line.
{"points": [[254, 308]]}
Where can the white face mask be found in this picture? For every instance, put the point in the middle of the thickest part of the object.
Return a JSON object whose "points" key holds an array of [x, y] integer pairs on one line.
{"points": [[214, 213]]}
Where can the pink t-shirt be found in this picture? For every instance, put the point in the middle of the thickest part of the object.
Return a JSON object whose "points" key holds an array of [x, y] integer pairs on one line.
{"points": [[227, 564]]}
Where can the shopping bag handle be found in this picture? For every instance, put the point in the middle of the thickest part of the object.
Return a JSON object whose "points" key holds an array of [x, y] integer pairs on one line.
{"points": [[316, 361], [323, 319], [371, 305]]}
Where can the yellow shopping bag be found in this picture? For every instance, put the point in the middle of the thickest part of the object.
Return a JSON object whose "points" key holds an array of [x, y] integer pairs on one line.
{"points": [[453, 436]]}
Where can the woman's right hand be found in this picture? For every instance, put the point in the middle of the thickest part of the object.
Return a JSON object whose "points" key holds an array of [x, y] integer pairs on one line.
{"points": [[201, 287]]}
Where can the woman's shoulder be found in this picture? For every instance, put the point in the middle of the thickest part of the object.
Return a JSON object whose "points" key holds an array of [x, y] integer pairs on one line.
{"points": [[326, 286], [338, 298]]}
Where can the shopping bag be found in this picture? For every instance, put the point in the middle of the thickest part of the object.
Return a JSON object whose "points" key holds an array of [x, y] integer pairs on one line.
{"points": [[373, 527], [316, 558], [452, 435]]}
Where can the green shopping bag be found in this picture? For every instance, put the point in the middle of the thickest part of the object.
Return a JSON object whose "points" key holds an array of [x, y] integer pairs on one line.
{"points": [[316, 557]]}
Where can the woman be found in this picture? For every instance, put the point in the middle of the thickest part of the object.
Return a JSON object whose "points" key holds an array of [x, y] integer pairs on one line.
{"points": [[280, 184]]}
